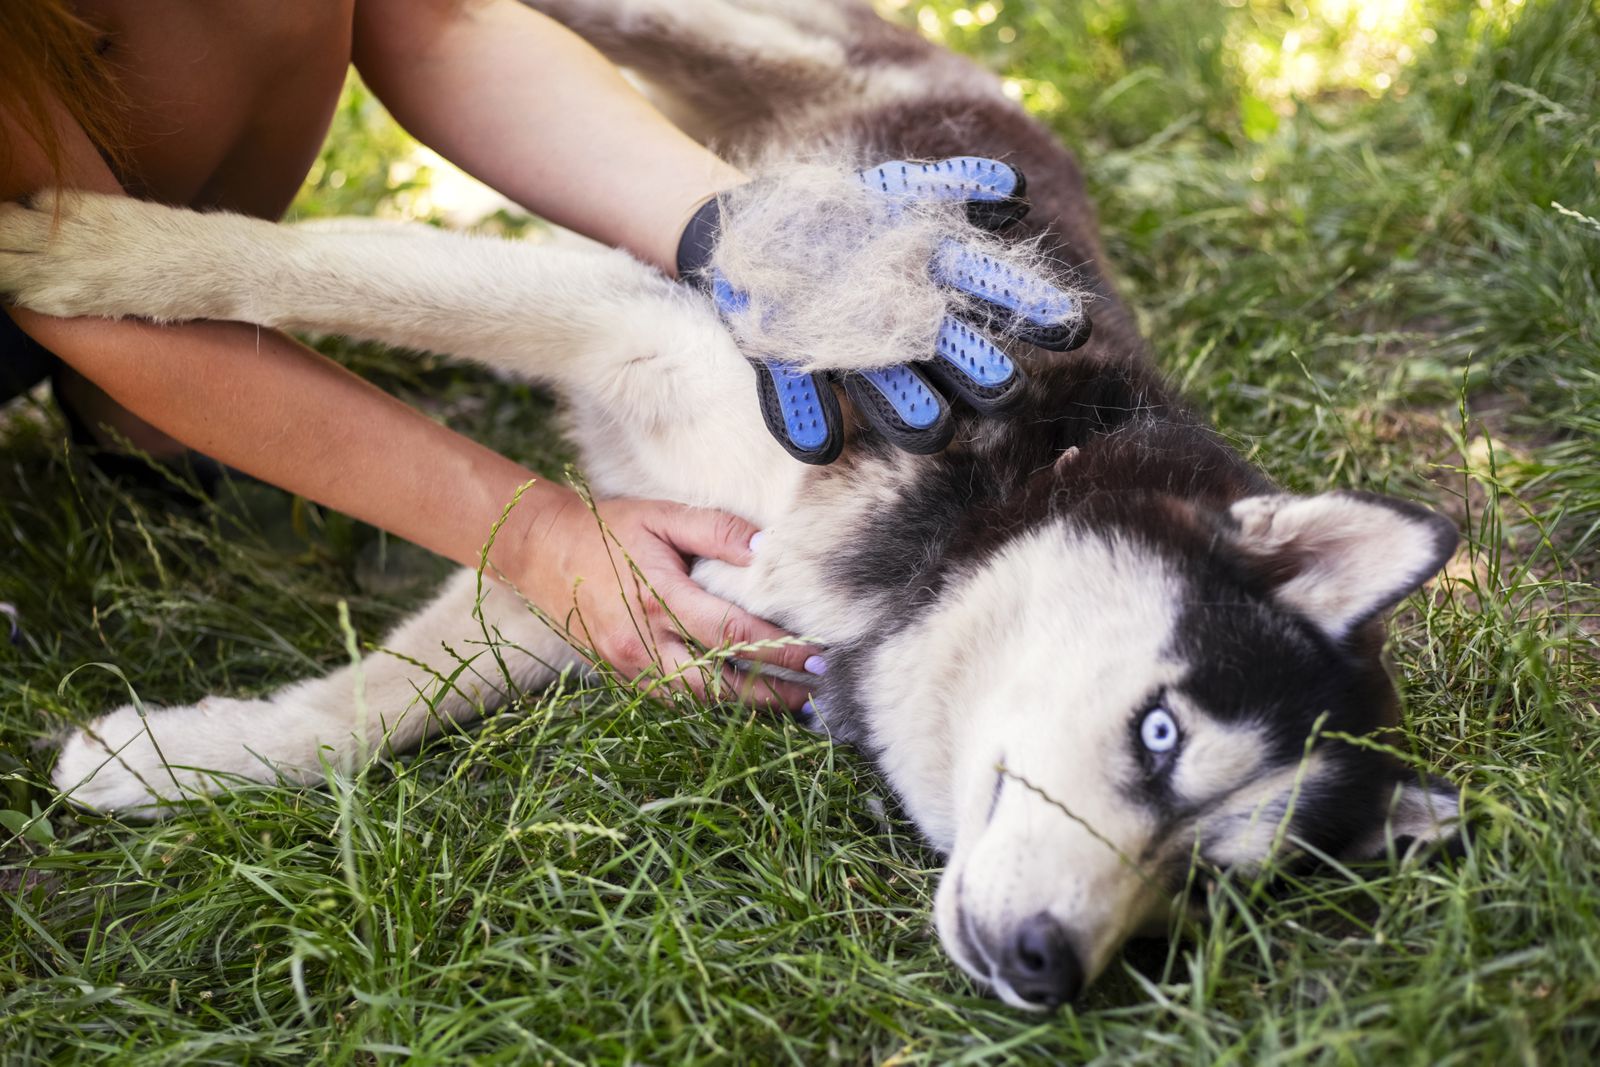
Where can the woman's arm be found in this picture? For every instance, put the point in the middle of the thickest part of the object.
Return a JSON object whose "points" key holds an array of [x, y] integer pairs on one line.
{"points": [[522, 103], [265, 404]]}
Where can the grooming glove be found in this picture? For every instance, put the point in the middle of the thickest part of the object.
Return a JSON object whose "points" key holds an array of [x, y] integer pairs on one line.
{"points": [[909, 403]]}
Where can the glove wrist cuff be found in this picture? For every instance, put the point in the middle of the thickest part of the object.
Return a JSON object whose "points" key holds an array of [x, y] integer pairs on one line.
{"points": [[698, 240]]}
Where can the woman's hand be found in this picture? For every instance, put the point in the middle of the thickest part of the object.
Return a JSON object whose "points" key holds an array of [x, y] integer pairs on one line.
{"points": [[651, 617]]}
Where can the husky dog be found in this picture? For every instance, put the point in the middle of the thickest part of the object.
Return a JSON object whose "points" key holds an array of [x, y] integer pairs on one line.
{"points": [[1087, 644]]}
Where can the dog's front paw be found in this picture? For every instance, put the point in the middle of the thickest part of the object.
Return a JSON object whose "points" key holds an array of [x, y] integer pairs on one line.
{"points": [[133, 764], [70, 253], [49, 259], [140, 764], [113, 765]]}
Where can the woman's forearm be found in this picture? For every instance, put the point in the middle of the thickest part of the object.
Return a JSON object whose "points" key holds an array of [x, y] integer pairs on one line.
{"points": [[265, 404], [524, 104]]}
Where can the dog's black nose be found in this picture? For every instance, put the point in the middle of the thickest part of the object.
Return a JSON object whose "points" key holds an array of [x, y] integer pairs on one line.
{"points": [[1040, 964]]}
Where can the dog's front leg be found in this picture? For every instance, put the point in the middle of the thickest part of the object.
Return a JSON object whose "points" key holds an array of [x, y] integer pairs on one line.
{"points": [[564, 311]]}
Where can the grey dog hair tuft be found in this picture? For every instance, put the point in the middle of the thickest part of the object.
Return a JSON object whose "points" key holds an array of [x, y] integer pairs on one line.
{"points": [[838, 275]]}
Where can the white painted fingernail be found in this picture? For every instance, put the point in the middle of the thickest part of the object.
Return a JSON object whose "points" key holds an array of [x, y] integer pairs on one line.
{"points": [[756, 539], [816, 665]]}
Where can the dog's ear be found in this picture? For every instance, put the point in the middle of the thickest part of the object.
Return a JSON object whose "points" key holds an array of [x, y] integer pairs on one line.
{"points": [[1341, 558], [1417, 815]]}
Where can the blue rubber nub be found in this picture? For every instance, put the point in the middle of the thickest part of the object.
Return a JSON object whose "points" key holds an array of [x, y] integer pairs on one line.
{"points": [[973, 355], [997, 283], [804, 420], [900, 405], [957, 178], [803, 417], [907, 394], [729, 301]]}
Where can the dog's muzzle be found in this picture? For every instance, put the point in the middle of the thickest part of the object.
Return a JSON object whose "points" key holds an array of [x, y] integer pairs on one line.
{"points": [[1037, 961]]}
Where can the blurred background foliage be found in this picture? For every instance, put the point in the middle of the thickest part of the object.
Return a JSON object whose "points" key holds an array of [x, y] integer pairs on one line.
{"points": [[368, 165]]}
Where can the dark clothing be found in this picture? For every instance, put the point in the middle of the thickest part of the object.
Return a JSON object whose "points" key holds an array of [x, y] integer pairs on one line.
{"points": [[24, 362]]}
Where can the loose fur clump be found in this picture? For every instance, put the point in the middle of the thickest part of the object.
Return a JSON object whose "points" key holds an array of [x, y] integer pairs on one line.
{"points": [[840, 277]]}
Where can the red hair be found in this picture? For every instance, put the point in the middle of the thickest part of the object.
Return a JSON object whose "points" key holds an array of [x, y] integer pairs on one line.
{"points": [[48, 53]]}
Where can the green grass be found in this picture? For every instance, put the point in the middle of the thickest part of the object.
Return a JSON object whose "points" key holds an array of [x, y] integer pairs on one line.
{"points": [[1361, 289]]}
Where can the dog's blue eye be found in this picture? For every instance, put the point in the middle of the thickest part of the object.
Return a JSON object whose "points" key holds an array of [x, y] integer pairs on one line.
{"points": [[1159, 731]]}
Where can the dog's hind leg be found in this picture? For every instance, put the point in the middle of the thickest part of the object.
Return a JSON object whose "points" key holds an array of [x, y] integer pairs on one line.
{"points": [[749, 76], [441, 666], [718, 68]]}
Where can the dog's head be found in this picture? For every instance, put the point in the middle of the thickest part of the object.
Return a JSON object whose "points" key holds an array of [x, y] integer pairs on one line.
{"points": [[1109, 696]]}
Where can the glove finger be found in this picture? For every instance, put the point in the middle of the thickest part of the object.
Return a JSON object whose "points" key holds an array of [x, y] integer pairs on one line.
{"points": [[801, 412], [993, 191], [969, 365], [900, 404], [730, 302], [800, 409], [1029, 307]]}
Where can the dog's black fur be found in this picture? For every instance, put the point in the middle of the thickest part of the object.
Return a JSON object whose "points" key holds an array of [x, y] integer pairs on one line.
{"points": [[1100, 438]]}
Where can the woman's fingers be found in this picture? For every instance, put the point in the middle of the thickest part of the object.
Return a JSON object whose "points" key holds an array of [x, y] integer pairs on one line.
{"points": [[665, 614], [710, 620], [764, 691], [715, 623], [706, 533], [711, 681]]}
